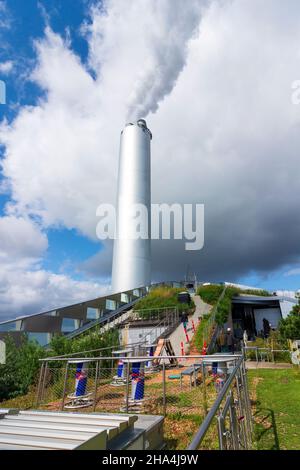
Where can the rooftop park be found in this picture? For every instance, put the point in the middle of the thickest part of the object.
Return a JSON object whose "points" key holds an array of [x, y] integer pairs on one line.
{"points": [[160, 301], [220, 298]]}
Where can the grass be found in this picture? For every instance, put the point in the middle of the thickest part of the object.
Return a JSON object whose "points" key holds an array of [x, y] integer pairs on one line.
{"points": [[210, 294], [276, 394], [160, 298], [199, 336]]}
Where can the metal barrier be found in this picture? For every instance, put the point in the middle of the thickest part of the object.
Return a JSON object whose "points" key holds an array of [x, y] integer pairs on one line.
{"points": [[231, 412], [148, 385], [153, 313], [264, 354]]}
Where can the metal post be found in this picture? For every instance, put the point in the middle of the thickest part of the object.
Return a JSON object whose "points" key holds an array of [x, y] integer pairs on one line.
{"points": [[164, 389], [65, 386], [39, 385], [256, 354], [221, 430], [127, 386], [241, 408], [195, 376], [204, 388], [233, 424], [247, 397], [245, 403], [96, 384], [44, 381]]}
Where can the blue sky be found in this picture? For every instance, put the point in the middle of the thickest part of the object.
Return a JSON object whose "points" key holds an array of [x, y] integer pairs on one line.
{"points": [[27, 22], [67, 248], [69, 92]]}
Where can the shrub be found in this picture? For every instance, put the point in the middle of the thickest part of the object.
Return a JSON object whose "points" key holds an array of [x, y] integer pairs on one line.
{"points": [[21, 368], [289, 327]]}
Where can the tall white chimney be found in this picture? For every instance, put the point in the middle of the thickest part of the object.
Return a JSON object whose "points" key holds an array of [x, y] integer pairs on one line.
{"points": [[132, 257]]}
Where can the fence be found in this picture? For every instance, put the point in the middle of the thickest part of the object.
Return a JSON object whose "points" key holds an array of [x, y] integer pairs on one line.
{"points": [[144, 385], [153, 313], [231, 412], [266, 354]]}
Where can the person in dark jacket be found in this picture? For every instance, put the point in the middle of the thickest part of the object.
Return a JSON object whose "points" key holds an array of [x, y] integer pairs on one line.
{"points": [[229, 340], [184, 319], [266, 327]]}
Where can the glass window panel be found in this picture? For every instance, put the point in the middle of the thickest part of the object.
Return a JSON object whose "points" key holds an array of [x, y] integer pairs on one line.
{"points": [[69, 325], [11, 326], [124, 298], [41, 338], [92, 313], [110, 304]]}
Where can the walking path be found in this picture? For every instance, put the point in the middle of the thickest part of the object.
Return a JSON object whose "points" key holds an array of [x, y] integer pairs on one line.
{"points": [[178, 335], [267, 365]]}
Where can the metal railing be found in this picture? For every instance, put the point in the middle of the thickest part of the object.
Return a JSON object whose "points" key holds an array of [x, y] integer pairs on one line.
{"points": [[168, 323], [264, 354], [231, 412], [192, 388]]}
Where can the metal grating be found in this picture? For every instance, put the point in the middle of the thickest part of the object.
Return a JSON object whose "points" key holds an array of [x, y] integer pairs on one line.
{"points": [[39, 430]]}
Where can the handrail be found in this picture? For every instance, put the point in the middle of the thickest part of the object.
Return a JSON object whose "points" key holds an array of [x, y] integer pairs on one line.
{"points": [[163, 321], [198, 438], [105, 319], [216, 357]]}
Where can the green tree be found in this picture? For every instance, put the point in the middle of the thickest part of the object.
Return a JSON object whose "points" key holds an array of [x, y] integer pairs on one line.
{"points": [[289, 327], [21, 368]]}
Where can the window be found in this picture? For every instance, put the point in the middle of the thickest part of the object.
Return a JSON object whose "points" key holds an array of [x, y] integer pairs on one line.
{"points": [[92, 313], [41, 338], [110, 304], [124, 298], [69, 325], [11, 326]]}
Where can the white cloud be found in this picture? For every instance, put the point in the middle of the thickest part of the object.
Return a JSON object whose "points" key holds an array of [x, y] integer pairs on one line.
{"points": [[225, 132], [6, 67], [25, 288], [27, 291], [292, 272], [20, 240]]}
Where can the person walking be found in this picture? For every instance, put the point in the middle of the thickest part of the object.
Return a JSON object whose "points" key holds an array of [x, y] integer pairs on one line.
{"points": [[184, 320], [266, 327], [229, 340], [222, 340]]}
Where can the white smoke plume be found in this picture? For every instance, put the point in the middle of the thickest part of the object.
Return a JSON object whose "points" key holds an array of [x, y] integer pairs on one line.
{"points": [[153, 49], [176, 24]]}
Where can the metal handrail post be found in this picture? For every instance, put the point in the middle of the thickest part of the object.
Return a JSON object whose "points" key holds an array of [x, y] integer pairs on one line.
{"points": [[39, 385], [65, 386], [44, 381], [164, 389], [96, 384], [234, 424], [204, 388], [241, 407], [127, 386]]}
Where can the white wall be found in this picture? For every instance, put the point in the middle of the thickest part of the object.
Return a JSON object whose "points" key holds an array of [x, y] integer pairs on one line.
{"points": [[286, 307], [134, 335], [273, 315]]}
